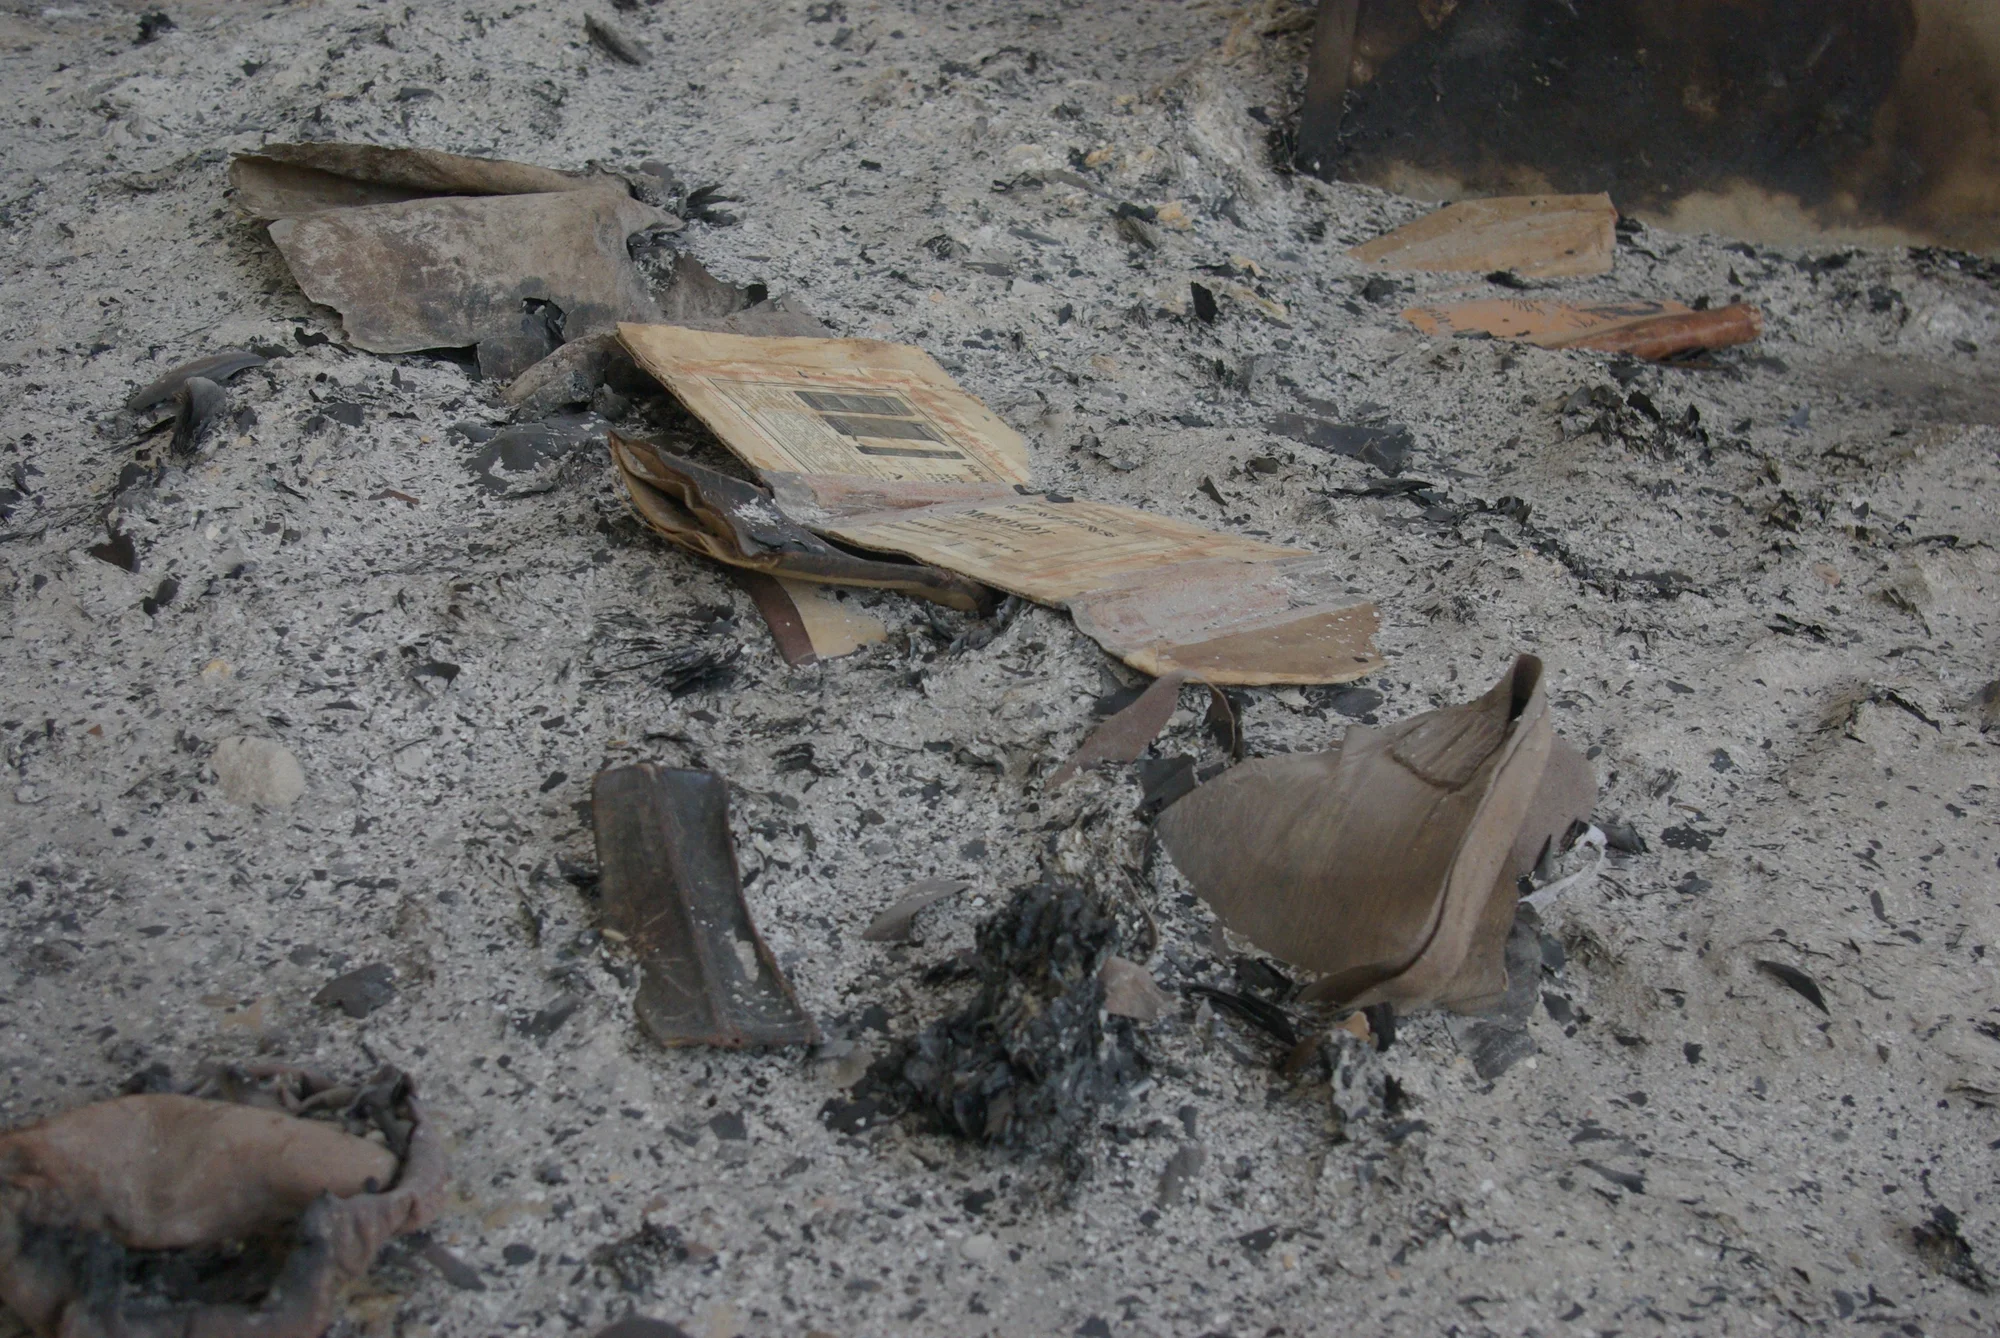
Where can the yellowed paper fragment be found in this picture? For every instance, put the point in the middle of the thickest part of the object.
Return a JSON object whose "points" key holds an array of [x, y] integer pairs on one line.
{"points": [[832, 406], [1534, 236], [836, 626], [1048, 551], [874, 445]]}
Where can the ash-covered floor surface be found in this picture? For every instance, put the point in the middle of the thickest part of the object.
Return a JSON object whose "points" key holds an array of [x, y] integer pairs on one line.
{"points": [[1765, 592]]}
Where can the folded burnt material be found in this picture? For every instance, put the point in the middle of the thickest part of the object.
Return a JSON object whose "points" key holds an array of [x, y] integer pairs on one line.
{"points": [[671, 886], [86, 1197], [1388, 864], [874, 445], [737, 523], [421, 250], [293, 180]]}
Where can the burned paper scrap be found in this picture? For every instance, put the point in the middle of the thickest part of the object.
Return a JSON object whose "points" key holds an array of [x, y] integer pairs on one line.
{"points": [[1130, 991], [1644, 328], [671, 886], [1127, 735], [1387, 864], [810, 622], [874, 445], [1531, 236], [422, 250], [90, 1192]]}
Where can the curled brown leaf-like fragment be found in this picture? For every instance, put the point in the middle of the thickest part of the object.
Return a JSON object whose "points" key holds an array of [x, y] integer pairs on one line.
{"points": [[1126, 735], [86, 1193], [1388, 864], [216, 367]]}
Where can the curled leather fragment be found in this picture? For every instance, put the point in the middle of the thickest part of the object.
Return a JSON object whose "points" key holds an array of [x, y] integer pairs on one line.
{"points": [[738, 524], [1388, 863], [86, 1191]]}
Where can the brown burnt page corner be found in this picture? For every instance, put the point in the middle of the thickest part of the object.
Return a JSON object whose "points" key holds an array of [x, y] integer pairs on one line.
{"points": [[874, 445], [1534, 236], [670, 885]]}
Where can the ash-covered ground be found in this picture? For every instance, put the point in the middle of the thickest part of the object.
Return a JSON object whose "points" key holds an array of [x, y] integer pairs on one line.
{"points": [[1765, 591]]}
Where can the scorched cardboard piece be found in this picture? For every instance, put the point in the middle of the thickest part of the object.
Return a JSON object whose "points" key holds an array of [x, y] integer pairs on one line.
{"points": [[873, 444]]}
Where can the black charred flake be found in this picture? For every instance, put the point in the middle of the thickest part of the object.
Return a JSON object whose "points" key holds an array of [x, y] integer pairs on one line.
{"points": [[1794, 979], [1945, 1251], [359, 992], [118, 550]]}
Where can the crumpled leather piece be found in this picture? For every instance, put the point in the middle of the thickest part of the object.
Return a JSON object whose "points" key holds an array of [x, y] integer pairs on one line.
{"points": [[1388, 863], [167, 1172]]}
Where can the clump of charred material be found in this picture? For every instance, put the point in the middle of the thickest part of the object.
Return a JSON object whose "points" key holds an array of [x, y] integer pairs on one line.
{"points": [[1030, 1060], [1634, 420]]}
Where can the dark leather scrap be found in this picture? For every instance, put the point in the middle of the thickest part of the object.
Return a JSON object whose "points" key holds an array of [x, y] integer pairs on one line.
{"points": [[670, 885]]}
